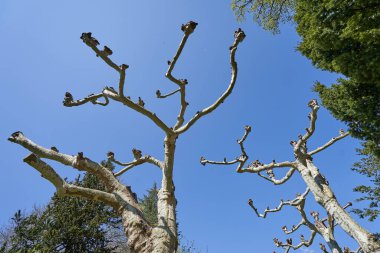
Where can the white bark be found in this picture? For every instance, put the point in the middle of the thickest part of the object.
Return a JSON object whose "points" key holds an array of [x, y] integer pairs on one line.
{"points": [[142, 237], [317, 184]]}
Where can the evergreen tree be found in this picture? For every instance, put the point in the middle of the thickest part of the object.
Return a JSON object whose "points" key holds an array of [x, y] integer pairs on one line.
{"points": [[66, 224]]}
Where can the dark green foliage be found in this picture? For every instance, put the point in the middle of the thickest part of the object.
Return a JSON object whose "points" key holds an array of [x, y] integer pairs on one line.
{"points": [[148, 205], [344, 37], [267, 13], [356, 104], [369, 166], [341, 36], [67, 224]]}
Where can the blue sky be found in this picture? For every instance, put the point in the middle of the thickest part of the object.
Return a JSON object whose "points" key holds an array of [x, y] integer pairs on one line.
{"points": [[43, 57]]}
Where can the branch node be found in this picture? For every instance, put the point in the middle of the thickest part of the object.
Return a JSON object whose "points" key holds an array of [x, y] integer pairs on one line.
{"points": [[89, 40], [141, 102], [189, 27], [123, 67], [136, 153], [68, 99], [55, 149]]}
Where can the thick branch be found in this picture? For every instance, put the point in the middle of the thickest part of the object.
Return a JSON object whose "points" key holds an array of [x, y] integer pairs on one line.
{"points": [[329, 143], [79, 161], [67, 189], [239, 37]]}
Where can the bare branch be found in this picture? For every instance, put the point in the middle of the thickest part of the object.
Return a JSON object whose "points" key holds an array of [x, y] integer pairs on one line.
{"points": [[159, 95], [79, 161], [323, 248], [241, 160], [135, 106], [295, 202], [275, 181], [110, 92], [93, 98], [188, 29], [289, 242], [239, 37], [93, 43], [313, 104], [329, 143], [256, 166], [138, 160], [66, 189], [294, 227]]}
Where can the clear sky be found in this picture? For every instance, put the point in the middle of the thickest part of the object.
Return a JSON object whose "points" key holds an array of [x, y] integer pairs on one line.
{"points": [[42, 57]]}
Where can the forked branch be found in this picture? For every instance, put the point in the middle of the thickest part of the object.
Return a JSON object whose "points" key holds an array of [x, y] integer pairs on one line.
{"points": [[240, 160], [299, 200], [78, 162], [239, 37], [138, 160], [66, 189]]}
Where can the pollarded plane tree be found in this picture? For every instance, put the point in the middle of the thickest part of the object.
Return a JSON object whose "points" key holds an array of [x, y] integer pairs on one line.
{"points": [[142, 236], [316, 184]]}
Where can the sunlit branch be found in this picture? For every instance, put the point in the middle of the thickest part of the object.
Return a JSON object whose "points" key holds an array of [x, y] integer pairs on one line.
{"points": [[93, 98], [119, 96], [159, 95], [313, 104], [295, 202], [271, 177], [79, 161], [289, 242], [66, 189], [138, 160], [329, 143], [239, 37], [187, 29], [241, 160]]}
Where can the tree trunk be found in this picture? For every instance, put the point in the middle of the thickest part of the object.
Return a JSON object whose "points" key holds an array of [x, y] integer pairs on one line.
{"points": [[324, 196]]}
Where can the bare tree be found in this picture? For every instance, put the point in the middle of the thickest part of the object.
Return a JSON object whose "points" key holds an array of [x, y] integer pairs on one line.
{"points": [[316, 184], [142, 236]]}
